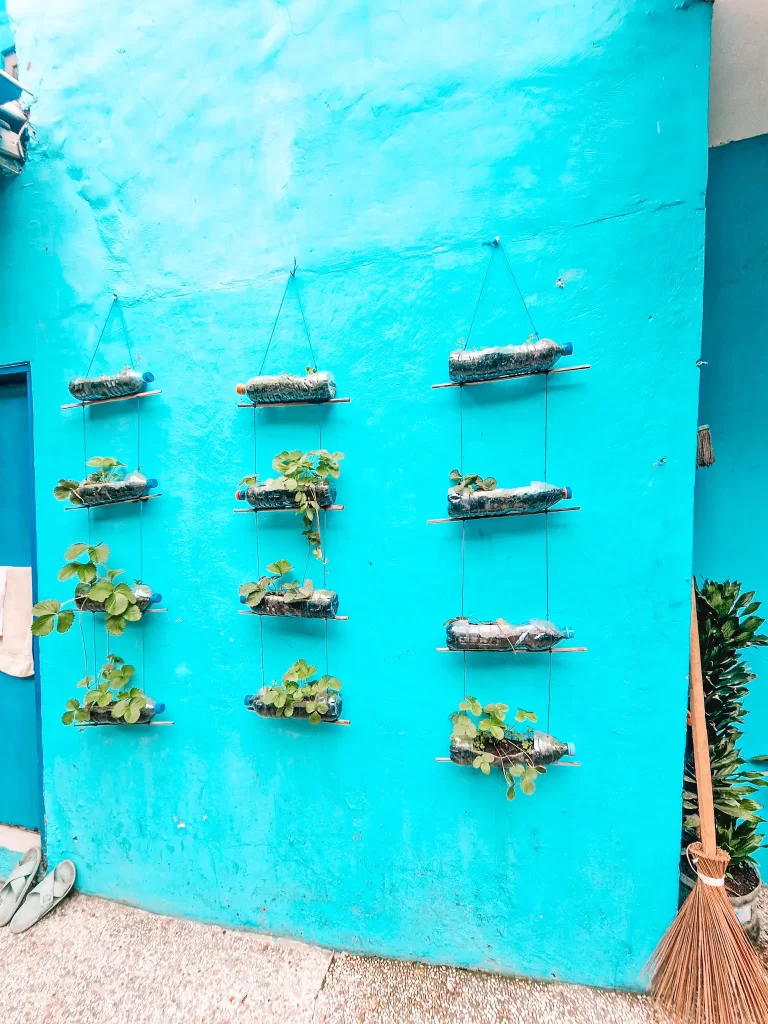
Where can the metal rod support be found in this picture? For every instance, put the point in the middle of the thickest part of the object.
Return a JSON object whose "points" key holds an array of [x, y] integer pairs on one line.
{"points": [[510, 376], [504, 515], [299, 618], [105, 401], [511, 650], [339, 721], [108, 504], [327, 508], [555, 764], [287, 405], [112, 725]]}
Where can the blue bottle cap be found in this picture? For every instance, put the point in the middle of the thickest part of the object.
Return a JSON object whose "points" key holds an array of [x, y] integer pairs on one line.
{"points": [[240, 495], [242, 599], [568, 348], [148, 377], [156, 599], [159, 709], [571, 749], [567, 492], [247, 699], [151, 483]]}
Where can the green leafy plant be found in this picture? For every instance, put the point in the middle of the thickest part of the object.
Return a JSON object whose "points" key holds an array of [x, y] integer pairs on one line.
{"points": [[495, 743], [105, 471], [727, 625], [111, 690], [302, 473], [276, 583], [120, 602], [299, 689], [471, 482]]}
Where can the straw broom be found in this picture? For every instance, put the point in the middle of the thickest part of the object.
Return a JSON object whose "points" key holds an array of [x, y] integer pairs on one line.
{"points": [[704, 970]]}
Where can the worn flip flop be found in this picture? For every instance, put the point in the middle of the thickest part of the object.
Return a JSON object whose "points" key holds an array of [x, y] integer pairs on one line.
{"points": [[44, 897], [18, 883]]}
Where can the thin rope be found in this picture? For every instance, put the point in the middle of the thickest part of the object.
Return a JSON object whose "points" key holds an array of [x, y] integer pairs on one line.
{"points": [[494, 246], [519, 292], [127, 336], [85, 646], [274, 328], [546, 547], [303, 320], [258, 551], [325, 520]]}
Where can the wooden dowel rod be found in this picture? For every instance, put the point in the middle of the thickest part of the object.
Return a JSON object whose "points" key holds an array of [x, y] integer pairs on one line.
{"points": [[555, 764], [700, 740], [339, 721], [286, 405], [504, 515], [511, 650], [299, 618], [107, 504], [110, 725], [105, 401], [510, 376], [102, 611], [327, 508]]}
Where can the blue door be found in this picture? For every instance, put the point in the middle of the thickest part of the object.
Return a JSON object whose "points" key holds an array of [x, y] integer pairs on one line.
{"points": [[20, 800]]}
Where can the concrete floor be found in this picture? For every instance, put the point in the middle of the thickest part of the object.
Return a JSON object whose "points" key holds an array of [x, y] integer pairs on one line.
{"points": [[96, 962]]}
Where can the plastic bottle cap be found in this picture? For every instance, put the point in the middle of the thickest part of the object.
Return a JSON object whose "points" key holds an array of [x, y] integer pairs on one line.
{"points": [[148, 377], [239, 495], [571, 749], [156, 599], [247, 699], [242, 599], [159, 709], [151, 482], [568, 348], [567, 492], [240, 389]]}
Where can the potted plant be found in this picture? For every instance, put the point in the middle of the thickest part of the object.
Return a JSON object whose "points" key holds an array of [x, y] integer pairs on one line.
{"points": [[727, 625], [113, 385], [277, 595], [96, 591], [463, 634], [299, 695], [481, 738], [314, 386], [305, 483], [533, 356], [111, 700], [473, 495], [104, 485]]}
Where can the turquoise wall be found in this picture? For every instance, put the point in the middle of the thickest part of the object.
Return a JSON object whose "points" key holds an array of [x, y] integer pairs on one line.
{"points": [[732, 495], [184, 157]]}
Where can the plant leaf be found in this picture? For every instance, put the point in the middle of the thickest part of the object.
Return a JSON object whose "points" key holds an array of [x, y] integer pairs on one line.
{"points": [[66, 618], [115, 624]]}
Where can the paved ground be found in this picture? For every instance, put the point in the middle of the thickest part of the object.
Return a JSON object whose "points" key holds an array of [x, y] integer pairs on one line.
{"points": [[96, 962]]}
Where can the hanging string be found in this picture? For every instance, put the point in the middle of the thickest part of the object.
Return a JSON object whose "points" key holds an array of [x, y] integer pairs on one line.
{"points": [[519, 292], [291, 277], [493, 246], [115, 303], [303, 320], [258, 551], [324, 533], [546, 546]]}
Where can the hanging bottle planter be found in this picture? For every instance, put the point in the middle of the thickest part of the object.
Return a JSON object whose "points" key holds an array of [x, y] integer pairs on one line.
{"points": [[116, 385], [537, 635], [473, 495], [482, 738], [276, 594], [111, 700], [287, 388], [105, 485], [465, 365], [143, 596], [277, 494], [299, 695]]}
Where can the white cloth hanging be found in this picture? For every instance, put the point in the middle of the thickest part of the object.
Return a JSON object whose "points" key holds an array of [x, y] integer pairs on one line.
{"points": [[15, 619]]}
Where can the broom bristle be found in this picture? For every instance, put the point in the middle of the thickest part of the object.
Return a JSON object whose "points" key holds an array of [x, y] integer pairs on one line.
{"points": [[704, 454], [704, 970]]}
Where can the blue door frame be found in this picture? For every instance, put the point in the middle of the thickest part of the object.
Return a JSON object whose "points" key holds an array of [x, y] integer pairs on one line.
{"points": [[10, 374]]}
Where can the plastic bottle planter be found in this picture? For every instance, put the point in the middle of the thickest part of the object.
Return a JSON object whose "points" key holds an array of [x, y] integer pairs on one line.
{"points": [[528, 747], [103, 716], [271, 495], [134, 485], [536, 635], [536, 497], [286, 387], [505, 361], [145, 596], [115, 385], [323, 604], [255, 702]]}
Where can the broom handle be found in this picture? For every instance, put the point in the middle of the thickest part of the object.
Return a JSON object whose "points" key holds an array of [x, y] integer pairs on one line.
{"points": [[701, 741]]}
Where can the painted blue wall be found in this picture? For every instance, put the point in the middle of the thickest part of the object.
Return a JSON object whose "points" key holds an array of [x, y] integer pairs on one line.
{"points": [[732, 495], [184, 157]]}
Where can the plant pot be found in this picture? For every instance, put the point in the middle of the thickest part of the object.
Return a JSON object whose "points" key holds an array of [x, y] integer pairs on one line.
{"points": [[145, 596], [536, 497], [269, 495], [531, 746], [256, 703], [287, 387], [323, 604], [505, 361], [536, 635], [135, 485], [103, 716], [115, 385], [743, 903]]}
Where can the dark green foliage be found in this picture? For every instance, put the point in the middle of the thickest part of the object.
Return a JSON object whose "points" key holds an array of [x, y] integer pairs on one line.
{"points": [[471, 482], [277, 584], [299, 689], [727, 625], [111, 690]]}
